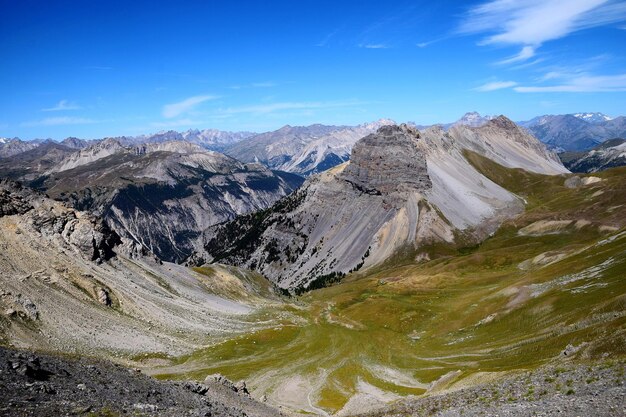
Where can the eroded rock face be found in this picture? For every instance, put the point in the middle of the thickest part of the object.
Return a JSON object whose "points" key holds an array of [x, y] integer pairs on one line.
{"points": [[388, 161], [12, 199], [86, 234]]}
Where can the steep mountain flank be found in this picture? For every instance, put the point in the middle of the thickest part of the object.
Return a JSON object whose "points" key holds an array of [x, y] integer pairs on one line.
{"points": [[15, 146], [506, 143], [401, 189], [161, 195], [29, 164], [609, 154], [575, 132]]}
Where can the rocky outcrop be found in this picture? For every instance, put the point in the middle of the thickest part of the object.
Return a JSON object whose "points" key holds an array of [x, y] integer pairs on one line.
{"points": [[104, 298], [13, 198], [388, 162], [87, 235]]}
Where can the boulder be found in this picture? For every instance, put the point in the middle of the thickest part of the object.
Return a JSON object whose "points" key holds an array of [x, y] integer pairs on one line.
{"points": [[103, 297], [221, 380]]}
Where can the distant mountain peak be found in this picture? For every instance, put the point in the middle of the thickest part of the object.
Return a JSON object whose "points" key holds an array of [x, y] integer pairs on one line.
{"points": [[375, 125], [473, 119], [593, 117]]}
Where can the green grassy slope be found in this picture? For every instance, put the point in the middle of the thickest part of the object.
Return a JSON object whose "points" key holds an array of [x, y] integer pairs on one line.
{"points": [[513, 302]]}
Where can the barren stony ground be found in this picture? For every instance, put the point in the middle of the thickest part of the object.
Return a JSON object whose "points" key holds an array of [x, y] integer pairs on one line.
{"points": [[597, 389], [43, 385]]}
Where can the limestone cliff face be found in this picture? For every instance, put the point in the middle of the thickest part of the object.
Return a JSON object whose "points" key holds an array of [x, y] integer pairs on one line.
{"points": [[388, 161], [86, 235]]}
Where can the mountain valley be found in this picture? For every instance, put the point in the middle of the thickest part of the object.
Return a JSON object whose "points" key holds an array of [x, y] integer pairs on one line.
{"points": [[429, 267]]}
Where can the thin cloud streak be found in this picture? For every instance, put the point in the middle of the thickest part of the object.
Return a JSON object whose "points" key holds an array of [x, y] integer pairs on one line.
{"points": [[374, 46], [327, 39], [282, 106], [59, 121], [581, 84], [62, 106], [176, 109], [523, 55], [263, 84], [495, 85]]}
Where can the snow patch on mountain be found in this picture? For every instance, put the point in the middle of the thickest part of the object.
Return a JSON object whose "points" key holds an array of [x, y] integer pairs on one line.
{"points": [[593, 117]]}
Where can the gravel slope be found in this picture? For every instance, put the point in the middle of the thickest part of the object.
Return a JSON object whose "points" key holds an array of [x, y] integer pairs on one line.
{"points": [[43, 385], [597, 389]]}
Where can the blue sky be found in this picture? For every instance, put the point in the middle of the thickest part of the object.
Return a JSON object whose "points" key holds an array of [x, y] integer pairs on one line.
{"points": [[93, 68]]}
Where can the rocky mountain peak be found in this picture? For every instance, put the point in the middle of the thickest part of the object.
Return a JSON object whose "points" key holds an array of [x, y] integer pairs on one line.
{"points": [[503, 122], [387, 161], [473, 119]]}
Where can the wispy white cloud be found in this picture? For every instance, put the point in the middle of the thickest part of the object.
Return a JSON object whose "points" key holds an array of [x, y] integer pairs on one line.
{"points": [[531, 23], [495, 85], [262, 84], [327, 39], [523, 55], [579, 84], [265, 84], [284, 106], [59, 121], [374, 46], [432, 41], [62, 106], [527, 64], [176, 109]]}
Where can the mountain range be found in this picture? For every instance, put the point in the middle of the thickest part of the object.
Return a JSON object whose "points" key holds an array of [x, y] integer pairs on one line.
{"points": [[576, 132], [307, 150], [161, 195]]}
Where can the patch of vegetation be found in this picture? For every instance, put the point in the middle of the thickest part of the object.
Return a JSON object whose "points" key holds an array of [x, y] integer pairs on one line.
{"points": [[321, 281], [239, 238]]}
